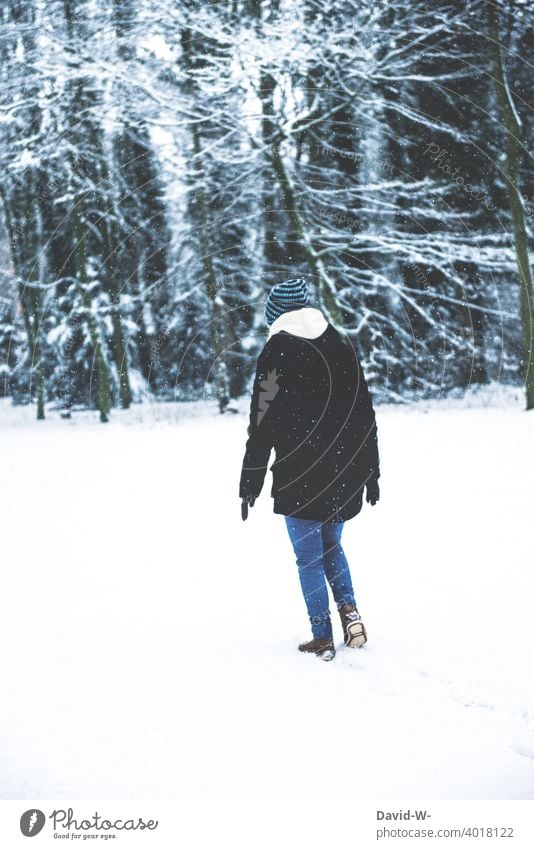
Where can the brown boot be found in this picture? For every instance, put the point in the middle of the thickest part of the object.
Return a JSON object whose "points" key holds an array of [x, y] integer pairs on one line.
{"points": [[324, 649], [354, 632]]}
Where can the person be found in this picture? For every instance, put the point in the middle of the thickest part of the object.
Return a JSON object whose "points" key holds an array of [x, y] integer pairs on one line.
{"points": [[310, 402]]}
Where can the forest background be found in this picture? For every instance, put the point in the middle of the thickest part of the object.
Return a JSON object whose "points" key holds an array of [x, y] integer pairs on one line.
{"points": [[163, 164]]}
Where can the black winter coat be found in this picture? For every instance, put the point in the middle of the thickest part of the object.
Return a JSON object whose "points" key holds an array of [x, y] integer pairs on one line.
{"points": [[310, 402]]}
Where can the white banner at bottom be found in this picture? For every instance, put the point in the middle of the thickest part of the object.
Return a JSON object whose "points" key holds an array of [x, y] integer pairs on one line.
{"points": [[311, 824]]}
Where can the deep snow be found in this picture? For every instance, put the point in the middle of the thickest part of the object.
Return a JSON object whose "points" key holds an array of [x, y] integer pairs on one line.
{"points": [[148, 636]]}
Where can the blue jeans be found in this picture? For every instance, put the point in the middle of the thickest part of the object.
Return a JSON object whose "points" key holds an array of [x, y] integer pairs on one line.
{"points": [[319, 554]]}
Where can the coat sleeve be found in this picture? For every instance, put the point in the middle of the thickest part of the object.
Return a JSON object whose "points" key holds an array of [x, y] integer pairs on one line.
{"points": [[264, 408], [367, 416]]}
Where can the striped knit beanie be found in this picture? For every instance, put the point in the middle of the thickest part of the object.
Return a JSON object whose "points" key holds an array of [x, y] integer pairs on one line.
{"points": [[284, 297]]}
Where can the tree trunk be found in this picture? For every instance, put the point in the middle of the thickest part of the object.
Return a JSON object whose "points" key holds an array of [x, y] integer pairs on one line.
{"points": [[16, 220], [76, 130], [512, 164], [219, 322], [326, 286], [103, 394], [220, 330]]}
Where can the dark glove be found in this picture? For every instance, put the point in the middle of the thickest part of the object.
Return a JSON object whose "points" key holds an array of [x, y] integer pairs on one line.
{"points": [[246, 502], [373, 491]]}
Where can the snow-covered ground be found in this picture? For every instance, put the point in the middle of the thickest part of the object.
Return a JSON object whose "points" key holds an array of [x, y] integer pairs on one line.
{"points": [[148, 636]]}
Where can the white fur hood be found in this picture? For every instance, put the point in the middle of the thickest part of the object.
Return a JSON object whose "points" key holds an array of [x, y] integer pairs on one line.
{"points": [[307, 322]]}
